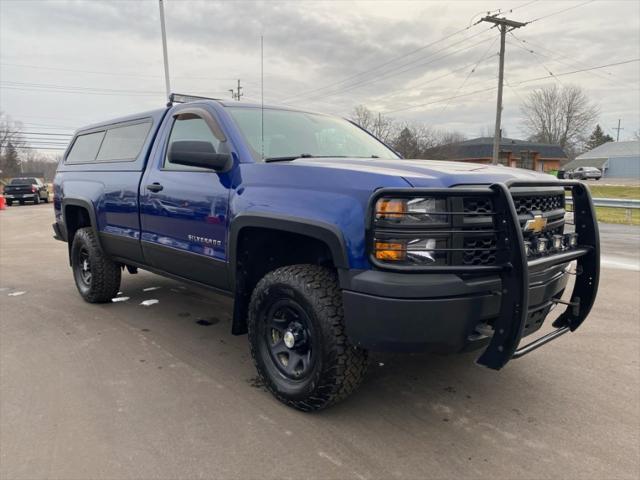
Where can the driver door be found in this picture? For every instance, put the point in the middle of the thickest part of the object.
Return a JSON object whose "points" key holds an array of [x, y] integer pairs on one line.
{"points": [[184, 210]]}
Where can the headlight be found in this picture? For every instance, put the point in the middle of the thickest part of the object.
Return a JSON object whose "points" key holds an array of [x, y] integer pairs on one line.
{"points": [[411, 211], [431, 230]]}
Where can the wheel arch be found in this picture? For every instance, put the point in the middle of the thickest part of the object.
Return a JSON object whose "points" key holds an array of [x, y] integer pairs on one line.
{"points": [[78, 213], [320, 235]]}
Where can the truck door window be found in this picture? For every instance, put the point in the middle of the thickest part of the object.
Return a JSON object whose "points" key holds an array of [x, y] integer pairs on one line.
{"points": [[194, 128]]}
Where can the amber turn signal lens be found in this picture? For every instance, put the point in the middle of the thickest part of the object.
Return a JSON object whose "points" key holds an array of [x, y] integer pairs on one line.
{"points": [[388, 208], [390, 251]]}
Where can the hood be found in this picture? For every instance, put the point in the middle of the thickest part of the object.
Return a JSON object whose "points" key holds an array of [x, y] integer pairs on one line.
{"points": [[428, 173]]}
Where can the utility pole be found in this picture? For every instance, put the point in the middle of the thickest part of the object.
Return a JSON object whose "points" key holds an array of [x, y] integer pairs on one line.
{"points": [[618, 130], [237, 94], [164, 50], [505, 26]]}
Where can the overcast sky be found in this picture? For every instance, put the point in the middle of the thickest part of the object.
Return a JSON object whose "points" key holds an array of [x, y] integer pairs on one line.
{"points": [[65, 64]]}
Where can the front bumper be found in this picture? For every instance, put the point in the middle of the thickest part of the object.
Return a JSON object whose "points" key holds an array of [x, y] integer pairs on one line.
{"points": [[451, 307], [20, 196], [389, 311]]}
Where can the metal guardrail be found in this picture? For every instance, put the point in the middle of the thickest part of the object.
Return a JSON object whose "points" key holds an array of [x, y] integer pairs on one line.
{"points": [[625, 203], [613, 202]]}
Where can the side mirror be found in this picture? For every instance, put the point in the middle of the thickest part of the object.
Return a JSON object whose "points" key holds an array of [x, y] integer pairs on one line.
{"points": [[199, 154]]}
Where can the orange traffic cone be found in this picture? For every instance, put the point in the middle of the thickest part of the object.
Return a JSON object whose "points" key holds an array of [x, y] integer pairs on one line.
{"points": [[3, 204]]}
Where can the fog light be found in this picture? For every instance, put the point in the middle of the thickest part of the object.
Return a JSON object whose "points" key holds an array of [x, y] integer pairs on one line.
{"points": [[527, 248], [571, 240], [557, 242], [541, 245]]}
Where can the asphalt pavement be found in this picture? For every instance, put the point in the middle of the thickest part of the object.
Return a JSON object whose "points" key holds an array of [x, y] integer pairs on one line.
{"points": [[127, 391]]}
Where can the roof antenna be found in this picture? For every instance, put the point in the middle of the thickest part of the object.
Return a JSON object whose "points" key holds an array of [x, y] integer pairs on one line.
{"points": [[262, 94], [165, 54]]}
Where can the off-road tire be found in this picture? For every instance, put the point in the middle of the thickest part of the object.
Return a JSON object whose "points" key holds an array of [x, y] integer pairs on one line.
{"points": [[105, 273], [338, 367]]}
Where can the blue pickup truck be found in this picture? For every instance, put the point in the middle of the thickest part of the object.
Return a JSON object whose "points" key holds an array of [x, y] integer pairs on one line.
{"points": [[329, 242]]}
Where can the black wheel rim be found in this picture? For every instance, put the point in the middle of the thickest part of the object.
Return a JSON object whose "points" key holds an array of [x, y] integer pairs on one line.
{"points": [[289, 339], [84, 266]]}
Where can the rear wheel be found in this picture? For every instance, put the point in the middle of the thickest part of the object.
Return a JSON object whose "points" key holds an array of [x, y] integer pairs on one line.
{"points": [[97, 277], [9, 203], [21, 202], [297, 338]]}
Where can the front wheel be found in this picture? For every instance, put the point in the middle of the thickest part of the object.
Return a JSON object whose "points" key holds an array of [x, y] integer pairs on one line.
{"points": [[36, 201], [298, 340], [97, 276]]}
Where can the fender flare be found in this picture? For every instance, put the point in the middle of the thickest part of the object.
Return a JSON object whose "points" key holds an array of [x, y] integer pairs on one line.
{"points": [[327, 233], [88, 206]]}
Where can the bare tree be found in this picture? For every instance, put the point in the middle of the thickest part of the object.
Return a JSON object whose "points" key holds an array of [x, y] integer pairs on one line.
{"points": [[379, 125], [420, 141], [10, 140], [362, 116], [10, 131], [560, 116]]}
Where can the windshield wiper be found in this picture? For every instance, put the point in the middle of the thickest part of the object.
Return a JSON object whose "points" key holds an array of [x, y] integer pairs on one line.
{"points": [[302, 155], [288, 158], [308, 155]]}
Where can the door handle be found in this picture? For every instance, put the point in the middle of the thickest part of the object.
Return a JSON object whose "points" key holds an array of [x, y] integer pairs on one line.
{"points": [[155, 187]]}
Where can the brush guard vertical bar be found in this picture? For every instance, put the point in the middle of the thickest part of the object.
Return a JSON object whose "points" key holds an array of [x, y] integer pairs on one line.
{"points": [[509, 326]]}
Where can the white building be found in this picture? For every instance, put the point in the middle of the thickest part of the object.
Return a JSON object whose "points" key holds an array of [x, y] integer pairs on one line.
{"points": [[615, 159]]}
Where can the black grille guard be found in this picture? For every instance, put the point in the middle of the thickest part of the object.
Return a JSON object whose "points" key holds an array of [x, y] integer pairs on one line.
{"points": [[513, 266]]}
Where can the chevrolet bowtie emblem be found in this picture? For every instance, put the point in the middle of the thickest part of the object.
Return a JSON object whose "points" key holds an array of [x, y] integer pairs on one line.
{"points": [[536, 224]]}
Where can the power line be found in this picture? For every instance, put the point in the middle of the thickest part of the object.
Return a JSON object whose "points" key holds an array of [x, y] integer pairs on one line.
{"points": [[34, 148], [560, 11], [95, 72], [512, 85], [45, 133], [392, 73], [442, 100], [573, 63], [581, 70], [471, 72], [47, 127], [536, 57], [387, 63], [431, 80], [410, 66]]}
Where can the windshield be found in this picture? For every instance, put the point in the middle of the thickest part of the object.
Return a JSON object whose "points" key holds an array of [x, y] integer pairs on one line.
{"points": [[23, 181], [294, 134]]}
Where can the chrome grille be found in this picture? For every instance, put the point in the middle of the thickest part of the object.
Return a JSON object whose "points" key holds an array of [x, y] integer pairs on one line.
{"points": [[538, 203], [480, 249]]}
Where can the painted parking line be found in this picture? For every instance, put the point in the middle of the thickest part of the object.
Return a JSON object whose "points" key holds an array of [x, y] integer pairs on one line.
{"points": [[620, 263]]}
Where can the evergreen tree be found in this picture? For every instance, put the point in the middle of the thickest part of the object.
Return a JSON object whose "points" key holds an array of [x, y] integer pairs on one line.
{"points": [[597, 138], [407, 144]]}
